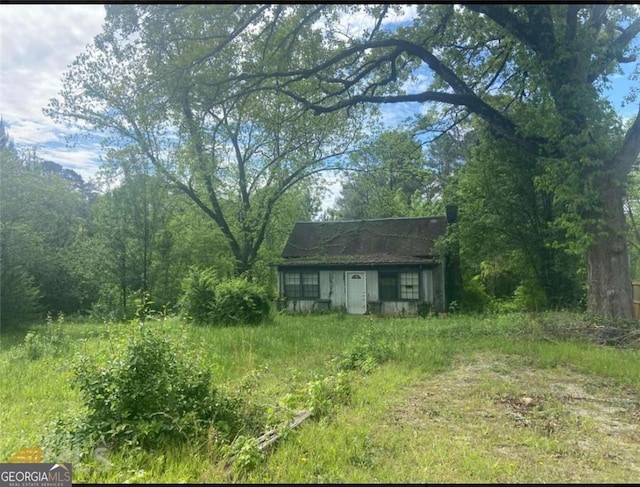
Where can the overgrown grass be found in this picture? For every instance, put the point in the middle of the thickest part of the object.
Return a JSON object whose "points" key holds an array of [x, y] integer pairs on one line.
{"points": [[387, 431]]}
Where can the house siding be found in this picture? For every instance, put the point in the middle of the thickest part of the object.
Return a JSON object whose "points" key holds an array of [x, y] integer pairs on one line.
{"points": [[333, 295]]}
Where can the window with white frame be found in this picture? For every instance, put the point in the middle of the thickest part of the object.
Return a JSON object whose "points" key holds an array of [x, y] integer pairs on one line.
{"points": [[393, 286], [409, 288]]}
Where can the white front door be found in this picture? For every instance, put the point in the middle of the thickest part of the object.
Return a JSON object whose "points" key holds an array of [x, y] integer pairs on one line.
{"points": [[356, 292]]}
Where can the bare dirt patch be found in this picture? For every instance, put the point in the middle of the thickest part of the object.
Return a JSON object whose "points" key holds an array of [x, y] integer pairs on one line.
{"points": [[521, 424]]}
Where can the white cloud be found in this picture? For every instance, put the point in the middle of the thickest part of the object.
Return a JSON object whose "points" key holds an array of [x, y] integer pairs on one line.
{"points": [[353, 23], [81, 160], [37, 44]]}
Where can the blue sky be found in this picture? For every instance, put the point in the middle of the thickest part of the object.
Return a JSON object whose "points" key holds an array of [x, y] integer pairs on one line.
{"points": [[38, 42]]}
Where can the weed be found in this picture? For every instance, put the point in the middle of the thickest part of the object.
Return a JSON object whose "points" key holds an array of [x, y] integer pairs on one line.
{"points": [[365, 353], [323, 394], [147, 392], [422, 417], [244, 453], [48, 342]]}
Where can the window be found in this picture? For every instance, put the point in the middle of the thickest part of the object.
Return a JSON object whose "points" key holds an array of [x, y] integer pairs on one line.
{"points": [[388, 286], [301, 285], [398, 285], [409, 285]]}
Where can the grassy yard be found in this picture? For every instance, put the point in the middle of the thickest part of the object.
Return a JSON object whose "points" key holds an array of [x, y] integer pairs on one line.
{"points": [[459, 399]]}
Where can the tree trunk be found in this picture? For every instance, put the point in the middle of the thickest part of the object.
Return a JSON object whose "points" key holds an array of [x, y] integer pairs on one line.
{"points": [[608, 272]]}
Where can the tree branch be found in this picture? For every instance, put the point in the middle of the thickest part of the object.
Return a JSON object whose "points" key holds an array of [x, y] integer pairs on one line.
{"points": [[615, 51], [628, 154], [216, 213], [537, 36]]}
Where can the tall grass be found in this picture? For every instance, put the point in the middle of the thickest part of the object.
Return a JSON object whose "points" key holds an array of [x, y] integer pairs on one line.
{"points": [[267, 362]]}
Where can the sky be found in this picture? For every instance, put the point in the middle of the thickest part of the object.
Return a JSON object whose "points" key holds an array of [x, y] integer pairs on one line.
{"points": [[38, 42]]}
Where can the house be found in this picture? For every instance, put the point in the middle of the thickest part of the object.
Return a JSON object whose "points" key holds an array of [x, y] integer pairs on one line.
{"points": [[383, 266]]}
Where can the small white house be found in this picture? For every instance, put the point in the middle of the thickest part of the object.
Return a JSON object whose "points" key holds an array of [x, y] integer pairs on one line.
{"points": [[383, 266]]}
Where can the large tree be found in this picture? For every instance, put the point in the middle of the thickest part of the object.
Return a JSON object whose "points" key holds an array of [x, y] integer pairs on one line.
{"points": [[506, 229], [534, 73], [152, 80]]}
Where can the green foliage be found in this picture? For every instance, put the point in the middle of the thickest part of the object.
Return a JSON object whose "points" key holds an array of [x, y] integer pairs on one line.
{"points": [[474, 296], [244, 453], [388, 177], [506, 229], [198, 296], [44, 213], [43, 209], [346, 443], [148, 391], [365, 353], [324, 394], [320, 395], [265, 143], [50, 342], [238, 301], [108, 306], [19, 296], [207, 300], [530, 297]]}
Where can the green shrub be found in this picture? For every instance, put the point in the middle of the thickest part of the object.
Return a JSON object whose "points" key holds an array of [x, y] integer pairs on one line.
{"points": [[244, 452], [238, 301], [365, 353], [48, 341], [147, 391], [206, 300], [474, 297], [34, 346], [320, 395], [530, 297], [198, 298], [323, 394]]}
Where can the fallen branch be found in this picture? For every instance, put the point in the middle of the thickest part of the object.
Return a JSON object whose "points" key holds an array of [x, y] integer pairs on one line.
{"points": [[271, 436]]}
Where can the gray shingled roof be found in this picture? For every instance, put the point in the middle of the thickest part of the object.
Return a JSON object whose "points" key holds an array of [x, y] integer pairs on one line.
{"points": [[379, 241]]}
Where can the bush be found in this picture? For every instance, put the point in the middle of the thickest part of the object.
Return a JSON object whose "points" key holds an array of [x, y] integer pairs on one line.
{"points": [[231, 302], [149, 391], [50, 341], [198, 294], [325, 393], [474, 297], [365, 353], [320, 395], [530, 297], [238, 302]]}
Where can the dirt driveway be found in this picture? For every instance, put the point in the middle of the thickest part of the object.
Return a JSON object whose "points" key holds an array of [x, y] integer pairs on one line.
{"points": [[512, 423]]}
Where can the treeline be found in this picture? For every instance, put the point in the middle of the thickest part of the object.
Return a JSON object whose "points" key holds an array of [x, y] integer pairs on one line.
{"points": [[237, 107], [97, 248], [219, 122]]}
